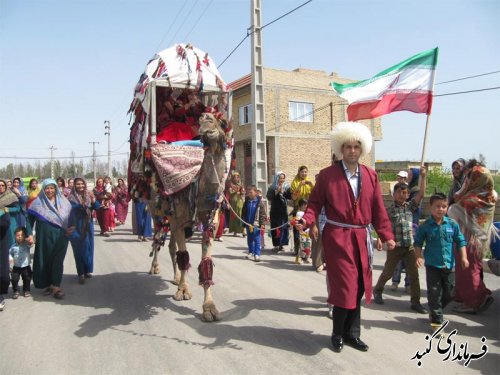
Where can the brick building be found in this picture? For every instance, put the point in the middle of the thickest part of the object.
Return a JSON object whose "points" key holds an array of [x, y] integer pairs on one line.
{"points": [[300, 111]]}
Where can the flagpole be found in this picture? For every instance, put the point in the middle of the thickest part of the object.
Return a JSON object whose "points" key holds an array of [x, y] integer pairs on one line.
{"points": [[425, 139], [428, 120]]}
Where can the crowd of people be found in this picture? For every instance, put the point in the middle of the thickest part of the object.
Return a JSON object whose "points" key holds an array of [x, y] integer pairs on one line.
{"points": [[50, 217], [341, 211], [336, 224]]}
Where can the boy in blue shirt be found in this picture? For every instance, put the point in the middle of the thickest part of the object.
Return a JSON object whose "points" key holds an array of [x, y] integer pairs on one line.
{"points": [[20, 252], [439, 233], [253, 213]]}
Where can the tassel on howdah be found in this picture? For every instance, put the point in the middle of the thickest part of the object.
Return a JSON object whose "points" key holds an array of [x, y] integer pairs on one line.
{"points": [[206, 272]]}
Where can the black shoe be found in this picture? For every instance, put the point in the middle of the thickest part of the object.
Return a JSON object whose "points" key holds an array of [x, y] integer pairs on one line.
{"points": [[377, 298], [355, 343], [337, 343], [419, 308]]}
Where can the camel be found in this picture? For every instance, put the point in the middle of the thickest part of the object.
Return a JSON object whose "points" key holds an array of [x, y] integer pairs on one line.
{"points": [[208, 196]]}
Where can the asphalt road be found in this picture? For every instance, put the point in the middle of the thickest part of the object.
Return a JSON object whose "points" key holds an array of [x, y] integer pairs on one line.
{"points": [[273, 320]]}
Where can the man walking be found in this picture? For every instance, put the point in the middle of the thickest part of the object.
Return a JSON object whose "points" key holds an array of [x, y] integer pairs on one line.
{"points": [[350, 193]]}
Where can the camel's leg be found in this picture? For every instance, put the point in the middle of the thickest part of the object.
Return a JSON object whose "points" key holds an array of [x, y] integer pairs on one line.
{"points": [[183, 292], [155, 266], [210, 312], [172, 249]]}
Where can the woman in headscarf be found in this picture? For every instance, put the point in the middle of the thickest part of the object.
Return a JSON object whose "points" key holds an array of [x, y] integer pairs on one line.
{"points": [[81, 228], [51, 211], [108, 187], [69, 187], [302, 185], [236, 200], [121, 201], [8, 200], [143, 217], [301, 188], [457, 169], [277, 195], [474, 210], [103, 213], [18, 213], [33, 191]]}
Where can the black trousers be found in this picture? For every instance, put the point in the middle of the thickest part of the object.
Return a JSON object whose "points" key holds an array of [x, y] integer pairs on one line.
{"points": [[440, 285], [21, 272], [346, 322]]}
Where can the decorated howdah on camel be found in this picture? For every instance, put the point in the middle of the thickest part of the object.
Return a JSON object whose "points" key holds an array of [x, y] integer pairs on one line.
{"points": [[180, 154]]}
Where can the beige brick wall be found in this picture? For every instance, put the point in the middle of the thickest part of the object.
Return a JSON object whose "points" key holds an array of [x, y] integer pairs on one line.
{"points": [[296, 143]]}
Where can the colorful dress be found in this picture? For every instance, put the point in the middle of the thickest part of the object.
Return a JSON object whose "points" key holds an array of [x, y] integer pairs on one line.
{"points": [[7, 200], [121, 202], [143, 217], [104, 213], [51, 222], [236, 200], [82, 237], [474, 212]]}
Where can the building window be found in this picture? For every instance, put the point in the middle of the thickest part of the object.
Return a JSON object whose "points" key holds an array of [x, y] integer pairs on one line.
{"points": [[246, 115], [300, 112]]}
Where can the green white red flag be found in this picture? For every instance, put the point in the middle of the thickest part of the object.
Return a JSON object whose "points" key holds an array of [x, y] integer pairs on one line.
{"points": [[406, 86]]}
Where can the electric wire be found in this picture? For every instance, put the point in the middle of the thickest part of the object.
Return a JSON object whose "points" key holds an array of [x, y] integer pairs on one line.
{"points": [[171, 25], [469, 77], [253, 31], [198, 20], [469, 91], [183, 22]]}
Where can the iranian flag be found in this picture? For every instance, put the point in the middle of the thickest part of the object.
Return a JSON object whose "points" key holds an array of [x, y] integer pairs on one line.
{"points": [[406, 86]]}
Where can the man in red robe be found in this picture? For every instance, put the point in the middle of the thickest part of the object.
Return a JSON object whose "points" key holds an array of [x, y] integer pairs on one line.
{"points": [[351, 195]]}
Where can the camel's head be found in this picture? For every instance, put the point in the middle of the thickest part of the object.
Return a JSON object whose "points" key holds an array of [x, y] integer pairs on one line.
{"points": [[212, 130]]}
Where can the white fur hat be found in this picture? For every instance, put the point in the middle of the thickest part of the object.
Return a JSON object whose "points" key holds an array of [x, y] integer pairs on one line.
{"points": [[351, 131]]}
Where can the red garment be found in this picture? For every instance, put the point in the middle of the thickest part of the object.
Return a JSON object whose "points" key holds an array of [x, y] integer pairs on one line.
{"points": [[345, 248], [105, 218], [220, 228], [176, 131], [469, 286]]}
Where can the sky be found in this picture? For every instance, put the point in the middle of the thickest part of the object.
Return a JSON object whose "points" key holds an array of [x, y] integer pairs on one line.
{"points": [[66, 66]]}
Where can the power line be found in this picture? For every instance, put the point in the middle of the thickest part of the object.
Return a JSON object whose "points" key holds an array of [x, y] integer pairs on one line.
{"points": [[171, 25], [116, 149], [234, 49], [198, 20], [469, 77], [267, 24], [60, 157], [183, 22], [284, 15], [112, 117], [467, 92]]}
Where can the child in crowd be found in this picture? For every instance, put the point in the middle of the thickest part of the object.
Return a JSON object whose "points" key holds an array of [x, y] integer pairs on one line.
{"points": [[304, 253], [20, 252], [439, 233], [253, 213], [262, 232], [400, 214]]}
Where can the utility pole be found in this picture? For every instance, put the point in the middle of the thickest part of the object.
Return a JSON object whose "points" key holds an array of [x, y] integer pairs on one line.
{"points": [[52, 148], [259, 157], [73, 161], [108, 133], [93, 160]]}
